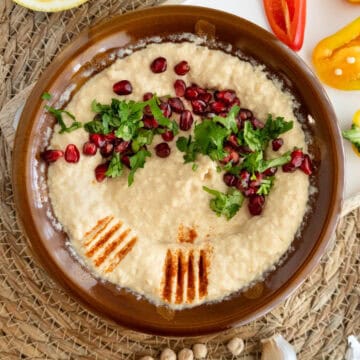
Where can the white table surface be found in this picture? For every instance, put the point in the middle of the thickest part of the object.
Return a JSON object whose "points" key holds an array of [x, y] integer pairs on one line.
{"points": [[324, 17]]}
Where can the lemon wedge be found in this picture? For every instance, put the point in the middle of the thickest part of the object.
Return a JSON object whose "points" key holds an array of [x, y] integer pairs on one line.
{"points": [[50, 5]]}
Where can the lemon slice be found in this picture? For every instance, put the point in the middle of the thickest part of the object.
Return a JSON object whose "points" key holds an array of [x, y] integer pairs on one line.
{"points": [[50, 5]]}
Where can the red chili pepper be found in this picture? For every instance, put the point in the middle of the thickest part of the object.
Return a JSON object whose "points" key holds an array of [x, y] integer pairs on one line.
{"points": [[287, 20]]}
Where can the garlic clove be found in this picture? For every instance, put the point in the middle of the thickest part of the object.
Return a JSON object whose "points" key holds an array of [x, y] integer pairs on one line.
{"points": [[236, 346], [167, 354], [186, 354], [200, 351], [353, 350], [277, 348]]}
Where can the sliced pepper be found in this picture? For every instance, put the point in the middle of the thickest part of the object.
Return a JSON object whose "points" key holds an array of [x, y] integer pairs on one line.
{"points": [[287, 20], [353, 135], [337, 58]]}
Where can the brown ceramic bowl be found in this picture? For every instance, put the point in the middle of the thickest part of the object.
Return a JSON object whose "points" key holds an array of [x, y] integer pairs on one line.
{"points": [[49, 244]]}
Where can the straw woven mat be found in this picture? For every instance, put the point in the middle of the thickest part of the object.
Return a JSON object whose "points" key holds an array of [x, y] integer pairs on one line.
{"points": [[39, 320]]}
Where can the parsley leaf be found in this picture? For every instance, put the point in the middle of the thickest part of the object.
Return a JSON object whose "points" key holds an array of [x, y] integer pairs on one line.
{"points": [[275, 127], [188, 147], [115, 167], [229, 122], [225, 204], [57, 113], [279, 161], [209, 138], [255, 162], [94, 127], [252, 138], [46, 96], [266, 185], [353, 135], [144, 137], [137, 161]]}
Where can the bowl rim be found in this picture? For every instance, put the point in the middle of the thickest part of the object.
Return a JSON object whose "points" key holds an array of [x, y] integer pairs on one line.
{"points": [[22, 194]]}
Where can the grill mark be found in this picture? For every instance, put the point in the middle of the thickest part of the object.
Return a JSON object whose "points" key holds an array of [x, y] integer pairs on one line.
{"points": [[121, 254], [181, 272], [191, 279], [168, 274], [105, 238], [203, 274], [97, 229], [111, 247]]}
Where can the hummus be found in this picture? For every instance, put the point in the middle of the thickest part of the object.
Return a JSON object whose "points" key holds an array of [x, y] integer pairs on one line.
{"points": [[158, 237]]}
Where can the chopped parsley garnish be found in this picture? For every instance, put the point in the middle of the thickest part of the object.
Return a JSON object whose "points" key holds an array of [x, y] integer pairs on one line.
{"points": [[57, 113], [46, 96], [211, 138], [137, 161], [266, 185], [115, 167], [353, 135], [225, 204]]}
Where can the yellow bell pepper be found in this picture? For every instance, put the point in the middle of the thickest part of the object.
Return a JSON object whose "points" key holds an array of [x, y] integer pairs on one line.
{"points": [[337, 58], [353, 134], [354, 1]]}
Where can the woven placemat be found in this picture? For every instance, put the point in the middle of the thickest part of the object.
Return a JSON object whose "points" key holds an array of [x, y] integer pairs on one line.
{"points": [[39, 320]]}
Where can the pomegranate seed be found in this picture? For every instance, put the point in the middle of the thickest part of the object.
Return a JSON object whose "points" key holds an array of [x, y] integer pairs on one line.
{"points": [[226, 96], [233, 156], [244, 150], [257, 182], [218, 107], [159, 65], [106, 150], [51, 155], [150, 122], [168, 135], [206, 97], [110, 137], [199, 89], [257, 124], [166, 109], [182, 68], [256, 204], [233, 141], [243, 180], [191, 93], [223, 114], [186, 120], [147, 96], [289, 167], [126, 161], [297, 157], [229, 179], [236, 101], [270, 171], [249, 192], [277, 144], [162, 150], [72, 154], [176, 105], [198, 106], [89, 148], [122, 87], [97, 139], [147, 111], [306, 165], [100, 171], [180, 87], [245, 114], [121, 147]]}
